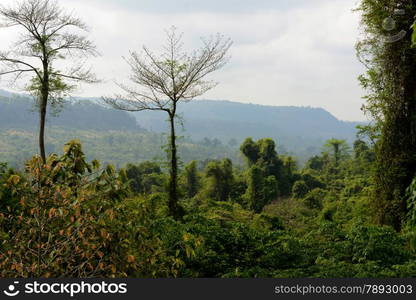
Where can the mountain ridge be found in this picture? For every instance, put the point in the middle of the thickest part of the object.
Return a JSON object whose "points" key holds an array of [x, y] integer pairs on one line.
{"points": [[227, 120], [300, 131]]}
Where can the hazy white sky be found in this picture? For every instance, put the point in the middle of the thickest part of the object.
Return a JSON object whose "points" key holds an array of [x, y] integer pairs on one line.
{"points": [[285, 52]]}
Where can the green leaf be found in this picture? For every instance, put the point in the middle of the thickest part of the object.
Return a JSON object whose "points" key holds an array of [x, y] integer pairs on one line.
{"points": [[14, 179]]}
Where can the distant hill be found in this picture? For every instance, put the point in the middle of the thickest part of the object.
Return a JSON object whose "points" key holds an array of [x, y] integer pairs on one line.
{"points": [[20, 112], [108, 135], [298, 130], [212, 129]]}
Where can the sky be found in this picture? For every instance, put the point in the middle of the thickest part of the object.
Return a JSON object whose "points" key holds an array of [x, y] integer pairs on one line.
{"points": [[284, 53]]}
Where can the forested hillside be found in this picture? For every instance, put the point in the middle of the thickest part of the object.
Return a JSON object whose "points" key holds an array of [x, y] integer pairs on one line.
{"points": [[210, 128], [299, 130], [108, 135], [20, 112]]}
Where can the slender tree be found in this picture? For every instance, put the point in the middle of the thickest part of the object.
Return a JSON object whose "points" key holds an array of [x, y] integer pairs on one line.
{"points": [[163, 81], [192, 180], [220, 179], [339, 149], [255, 195], [49, 34]]}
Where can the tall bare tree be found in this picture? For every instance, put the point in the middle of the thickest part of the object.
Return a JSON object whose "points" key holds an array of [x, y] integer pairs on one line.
{"points": [[162, 81], [49, 34]]}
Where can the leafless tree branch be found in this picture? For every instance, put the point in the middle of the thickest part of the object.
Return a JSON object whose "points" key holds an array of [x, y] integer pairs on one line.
{"points": [[173, 75]]}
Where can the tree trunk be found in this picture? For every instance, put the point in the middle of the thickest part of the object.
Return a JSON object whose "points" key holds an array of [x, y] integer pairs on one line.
{"points": [[174, 208], [44, 94], [396, 160], [42, 109]]}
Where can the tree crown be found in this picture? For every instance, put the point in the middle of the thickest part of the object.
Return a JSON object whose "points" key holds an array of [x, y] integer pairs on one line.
{"points": [[172, 76], [49, 33]]}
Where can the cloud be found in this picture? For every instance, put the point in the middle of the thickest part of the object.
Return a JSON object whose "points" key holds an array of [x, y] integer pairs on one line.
{"points": [[216, 6], [284, 52]]}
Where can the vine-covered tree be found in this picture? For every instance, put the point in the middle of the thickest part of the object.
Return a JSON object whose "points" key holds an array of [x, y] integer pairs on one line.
{"points": [[220, 179], [338, 148], [143, 178], [163, 81], [255, 197], [49, 34], [263, 154], [386, 51], [192, 180]]}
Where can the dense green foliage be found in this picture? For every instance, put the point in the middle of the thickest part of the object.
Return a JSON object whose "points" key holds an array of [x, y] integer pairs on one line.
{"points": [[268, 176], [115, 223]]}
